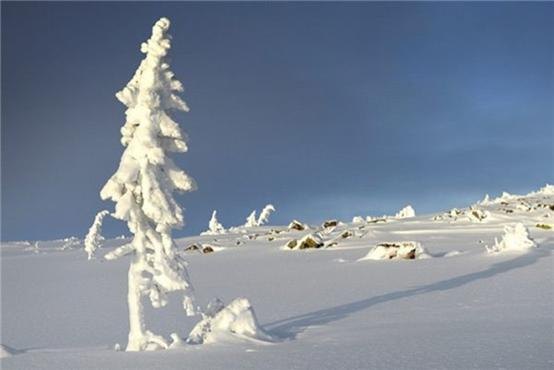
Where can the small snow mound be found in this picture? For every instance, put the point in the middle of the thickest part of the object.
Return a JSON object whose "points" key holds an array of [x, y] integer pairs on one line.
{"points": [[220, 322], [6, 351], [452, 254], [358, 220], [515, 238], [405, 212], [409, 250]]}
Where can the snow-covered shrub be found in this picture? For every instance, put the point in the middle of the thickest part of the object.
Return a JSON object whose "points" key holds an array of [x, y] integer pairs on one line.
{"points": [[405, 212], [221, 322], [214, 227], [515, 238], [143, 186], [396, 250], [358, 220], [94, 237]]}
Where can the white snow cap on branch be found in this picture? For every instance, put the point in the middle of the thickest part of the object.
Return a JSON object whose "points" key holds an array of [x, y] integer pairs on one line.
{"points": [[94, 237], [143, 186]]}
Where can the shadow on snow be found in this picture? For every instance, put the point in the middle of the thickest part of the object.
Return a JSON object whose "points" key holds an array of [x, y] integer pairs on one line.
{"points": [[289, 328]]}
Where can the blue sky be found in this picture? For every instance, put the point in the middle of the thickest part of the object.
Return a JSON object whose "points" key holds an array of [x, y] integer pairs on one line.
{"points": [[323, 109]]}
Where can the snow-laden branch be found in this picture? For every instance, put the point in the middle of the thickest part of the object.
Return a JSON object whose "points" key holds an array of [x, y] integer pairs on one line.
{"points": [[119, 252]]}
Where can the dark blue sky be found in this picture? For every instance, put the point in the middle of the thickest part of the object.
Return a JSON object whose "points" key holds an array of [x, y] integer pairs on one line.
{"points": [[323, 109]]}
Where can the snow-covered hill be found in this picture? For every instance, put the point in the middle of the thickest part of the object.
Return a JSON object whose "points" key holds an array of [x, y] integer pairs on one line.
{"points": [[450, 304]]}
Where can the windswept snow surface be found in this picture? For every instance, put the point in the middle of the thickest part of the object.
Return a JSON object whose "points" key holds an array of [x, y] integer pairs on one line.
{"points": [[323, 309]]}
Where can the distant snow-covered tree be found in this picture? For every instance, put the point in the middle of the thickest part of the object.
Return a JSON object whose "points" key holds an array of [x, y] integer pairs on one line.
{"points": [[214, 227], [143, 186], [94, 236], [251, 220], [264, 215]]}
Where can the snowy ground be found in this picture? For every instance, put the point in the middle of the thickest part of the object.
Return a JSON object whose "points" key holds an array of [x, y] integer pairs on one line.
{"points": [[455, 310]]}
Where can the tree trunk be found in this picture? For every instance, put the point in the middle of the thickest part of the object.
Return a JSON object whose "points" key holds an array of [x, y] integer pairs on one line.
{"points": [[137, 331]]}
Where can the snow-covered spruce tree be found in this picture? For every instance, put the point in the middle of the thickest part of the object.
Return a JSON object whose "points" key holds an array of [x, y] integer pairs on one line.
{"points": [[214, 227], [143, 186], [251, 220], [264, 215], [94, 237]]}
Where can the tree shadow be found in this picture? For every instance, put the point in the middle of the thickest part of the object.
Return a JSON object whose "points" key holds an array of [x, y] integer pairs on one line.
{"points": [[289, 328]]}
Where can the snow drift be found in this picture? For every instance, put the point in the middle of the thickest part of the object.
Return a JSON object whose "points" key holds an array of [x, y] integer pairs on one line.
{"points": [[221, 323], [408, 250], [6, 351]]}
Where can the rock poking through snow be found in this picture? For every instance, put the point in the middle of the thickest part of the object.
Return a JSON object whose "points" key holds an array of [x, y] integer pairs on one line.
{"points": [[310, 241], [296, 225], [515, 238], [329, 223], [396, 250], [221, 323], [477, 215]]}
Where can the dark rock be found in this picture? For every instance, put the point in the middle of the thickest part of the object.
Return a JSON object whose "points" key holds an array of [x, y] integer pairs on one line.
{"points": [[330, 223], [296, 225]]}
